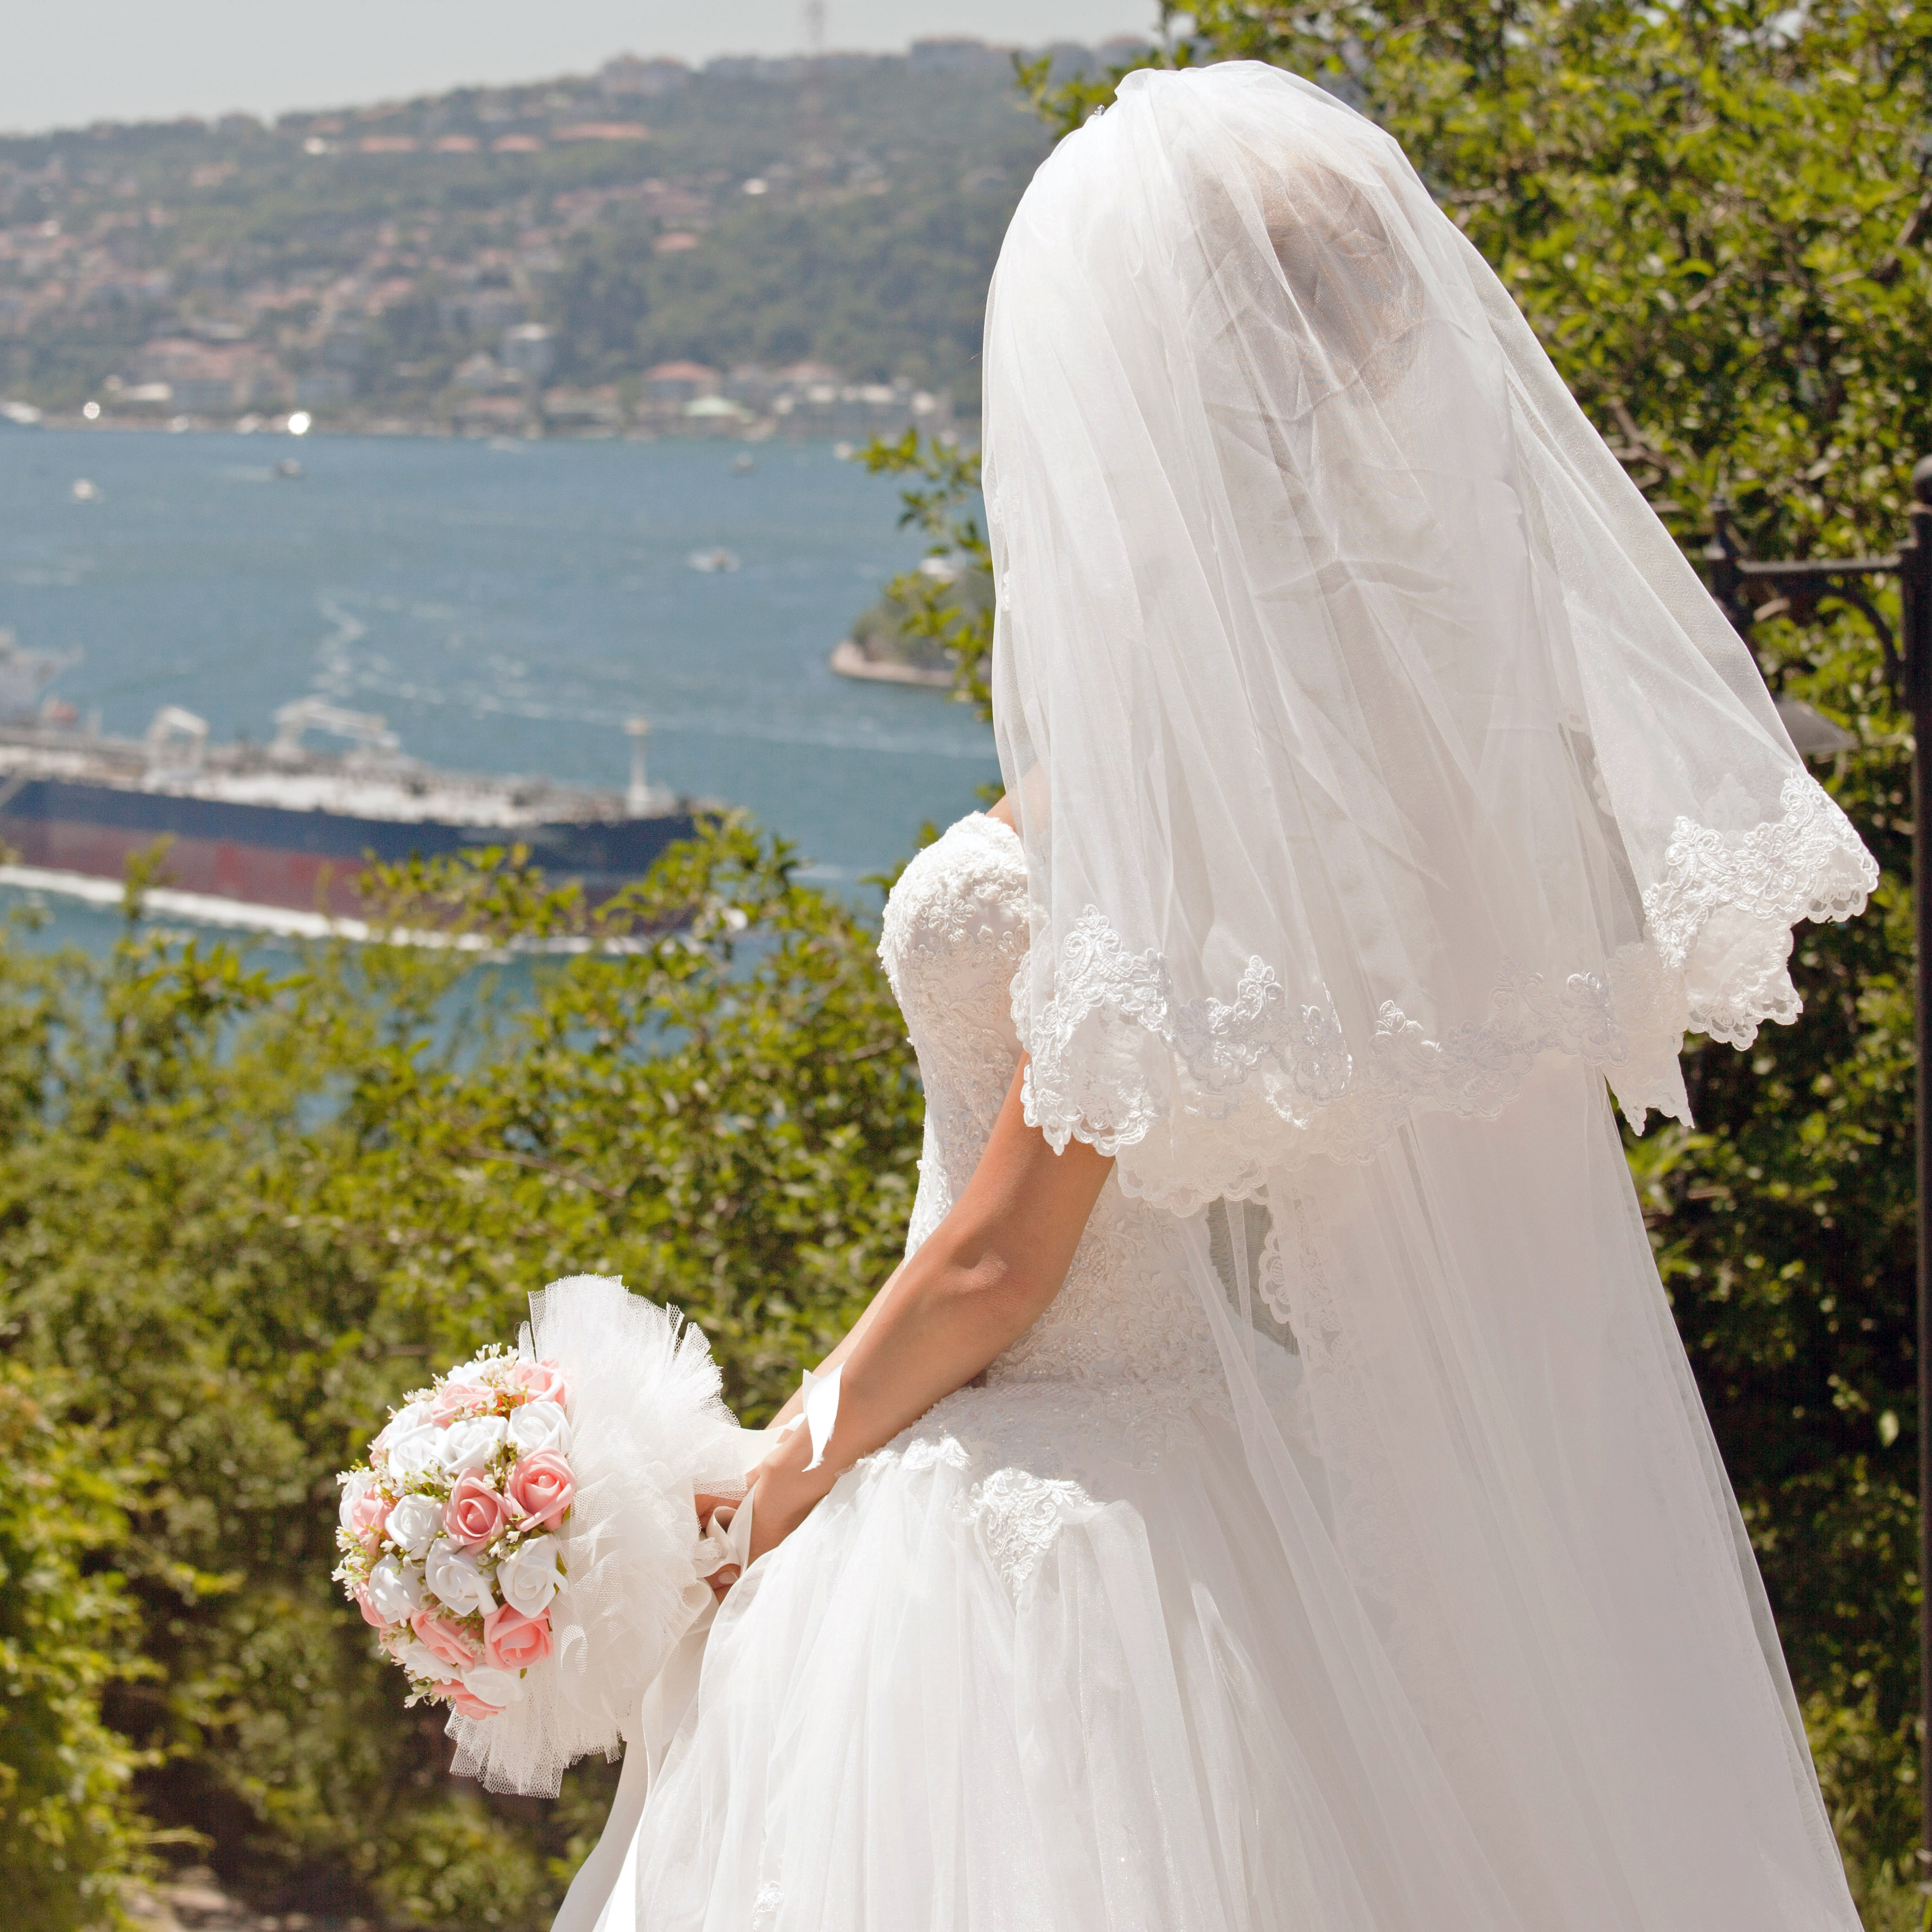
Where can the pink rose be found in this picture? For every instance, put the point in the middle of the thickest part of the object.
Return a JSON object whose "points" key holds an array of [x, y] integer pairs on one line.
{"points": [[465, 1702], [449, 1642], [514, 1642], [458, 1399], [475, 1512], [367, 1608], [540, 1488], [368, 1516], [541, 1381]]}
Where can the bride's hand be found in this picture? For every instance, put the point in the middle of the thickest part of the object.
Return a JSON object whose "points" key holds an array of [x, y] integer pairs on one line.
{"points": [[781, 1491], [718, 1510], [784, 1495]]}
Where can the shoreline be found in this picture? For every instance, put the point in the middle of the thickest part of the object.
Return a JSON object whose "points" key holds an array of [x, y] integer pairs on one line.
{"points": [[756, 434], [163, 905], [847, 660], [393, 427]]}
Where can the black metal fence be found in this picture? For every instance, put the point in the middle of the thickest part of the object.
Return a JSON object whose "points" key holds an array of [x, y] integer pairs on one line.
{"points": [[1750, 589]]}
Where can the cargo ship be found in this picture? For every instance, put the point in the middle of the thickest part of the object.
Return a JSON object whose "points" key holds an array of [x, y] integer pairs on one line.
{"points": [[288, 824]]}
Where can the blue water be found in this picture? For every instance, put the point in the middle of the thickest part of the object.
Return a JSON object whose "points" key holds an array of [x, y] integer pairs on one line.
{"points": [[505, 606]]}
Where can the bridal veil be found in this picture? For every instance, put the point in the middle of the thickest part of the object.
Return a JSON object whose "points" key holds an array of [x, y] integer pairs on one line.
{"points": [[1388, 782]]}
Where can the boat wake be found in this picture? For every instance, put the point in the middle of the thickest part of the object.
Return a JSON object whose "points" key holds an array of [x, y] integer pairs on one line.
{"points": [[163, 903], [193, 908]]}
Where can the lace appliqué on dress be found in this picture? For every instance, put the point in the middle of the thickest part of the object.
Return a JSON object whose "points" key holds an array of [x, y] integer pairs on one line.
{"points": [[1018, 1515], [1019, 1462]]}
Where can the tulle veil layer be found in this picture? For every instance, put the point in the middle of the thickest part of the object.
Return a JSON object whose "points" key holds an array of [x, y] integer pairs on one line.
{"points": [[1386, 780], [1371, 737], [1554, 1694]]}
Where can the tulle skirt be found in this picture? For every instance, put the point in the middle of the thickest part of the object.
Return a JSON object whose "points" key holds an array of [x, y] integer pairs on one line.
{"points": [[1028, 1667]]}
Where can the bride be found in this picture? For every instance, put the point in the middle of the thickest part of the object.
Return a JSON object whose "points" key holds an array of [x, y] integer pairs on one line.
{"points": [[1272, 1493]]}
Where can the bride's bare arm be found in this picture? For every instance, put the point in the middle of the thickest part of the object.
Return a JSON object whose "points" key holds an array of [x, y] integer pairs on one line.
{"points": [[978, 1282], [1003, 810]]}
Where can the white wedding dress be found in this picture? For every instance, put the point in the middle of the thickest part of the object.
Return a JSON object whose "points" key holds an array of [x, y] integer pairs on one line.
{"points": [[1024, 1667]]}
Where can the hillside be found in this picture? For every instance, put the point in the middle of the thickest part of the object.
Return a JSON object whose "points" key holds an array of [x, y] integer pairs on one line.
{"points": [[372, 262]]}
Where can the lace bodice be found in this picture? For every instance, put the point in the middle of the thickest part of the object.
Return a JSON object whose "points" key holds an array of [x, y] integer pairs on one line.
{"points": [[955, 933]]}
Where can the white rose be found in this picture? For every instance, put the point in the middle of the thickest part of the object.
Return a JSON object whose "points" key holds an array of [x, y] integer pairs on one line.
{"points": [[499, 1687], [414, 1453], [456, 1579], [539, 1425], [414, 1523], [528, 1577], [469, 1445], [412, 1415], [394, 1592], [354, 1488], [419, 1659]]}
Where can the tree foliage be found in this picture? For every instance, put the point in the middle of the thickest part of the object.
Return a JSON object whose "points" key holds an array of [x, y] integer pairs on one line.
{"points": [[240, 1211], [67, 1830], [951, 615]]}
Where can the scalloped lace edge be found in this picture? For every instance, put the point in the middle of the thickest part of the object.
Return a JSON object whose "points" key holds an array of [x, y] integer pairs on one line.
{"points": [[1260, 1081]]}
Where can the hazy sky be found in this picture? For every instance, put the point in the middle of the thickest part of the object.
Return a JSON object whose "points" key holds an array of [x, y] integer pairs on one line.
{"points": [[64, 63]]}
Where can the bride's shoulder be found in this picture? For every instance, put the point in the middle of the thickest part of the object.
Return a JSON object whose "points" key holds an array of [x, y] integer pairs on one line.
{"points": [[965, 838], [980, 832], [973, 867]]}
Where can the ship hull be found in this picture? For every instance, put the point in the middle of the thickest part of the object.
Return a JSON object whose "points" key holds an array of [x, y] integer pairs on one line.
{"points": [[304, 861]]}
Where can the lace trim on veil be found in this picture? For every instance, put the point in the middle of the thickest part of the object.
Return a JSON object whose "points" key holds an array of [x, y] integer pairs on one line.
{"points": [[1808, 864], [1235, 1088]]}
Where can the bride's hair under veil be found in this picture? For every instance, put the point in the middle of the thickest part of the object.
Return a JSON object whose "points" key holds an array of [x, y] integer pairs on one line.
{"points": [[1386, 780], [1347, 287]]}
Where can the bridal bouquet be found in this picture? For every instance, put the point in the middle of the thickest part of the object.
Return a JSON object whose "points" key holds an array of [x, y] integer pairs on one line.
{"points": [[448, 1532], [524, 1536]]}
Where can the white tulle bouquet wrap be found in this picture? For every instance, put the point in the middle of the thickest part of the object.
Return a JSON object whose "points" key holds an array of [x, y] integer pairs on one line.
{"points": [[524, 1536]]}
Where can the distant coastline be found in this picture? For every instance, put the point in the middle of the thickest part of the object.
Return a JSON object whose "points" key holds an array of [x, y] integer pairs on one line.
{"points": [[16, 416], [648, 250], [849, 659]]}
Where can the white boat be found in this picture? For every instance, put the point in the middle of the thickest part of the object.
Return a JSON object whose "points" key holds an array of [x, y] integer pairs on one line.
{"points": [[719, 559]]}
